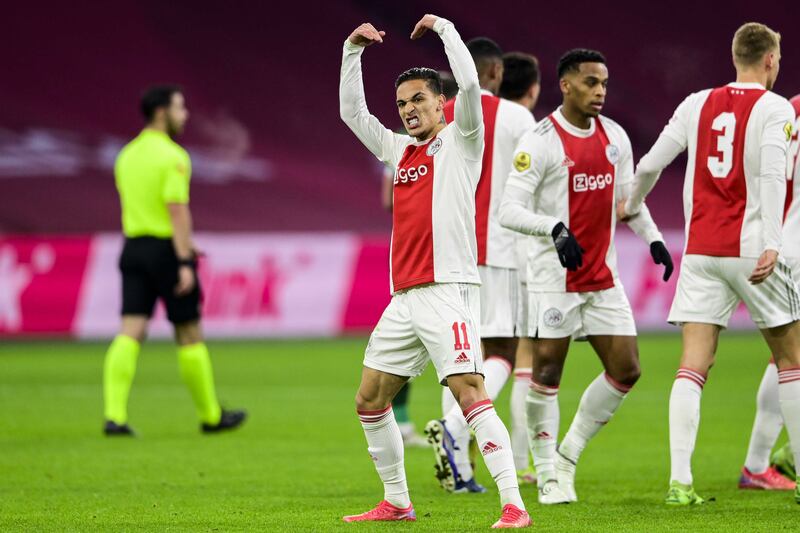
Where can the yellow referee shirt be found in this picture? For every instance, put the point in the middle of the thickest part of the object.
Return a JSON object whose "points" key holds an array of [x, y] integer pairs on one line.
{"points": [[151, 171]]}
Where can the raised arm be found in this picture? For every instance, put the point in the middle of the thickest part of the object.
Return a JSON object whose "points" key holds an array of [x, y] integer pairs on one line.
{"points": [[468, 114], [379, 140]]}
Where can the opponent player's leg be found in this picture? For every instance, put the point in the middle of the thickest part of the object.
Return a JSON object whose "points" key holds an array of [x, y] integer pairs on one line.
{"points": [[519, 418], [699, 348], [757, 473], [599, 402], [394, 353], [400, 407]]}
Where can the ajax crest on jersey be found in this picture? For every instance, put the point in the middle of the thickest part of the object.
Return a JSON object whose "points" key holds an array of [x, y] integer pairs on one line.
{"points": [[552, 317], [434, 146], [612, 153], [522, 161]]}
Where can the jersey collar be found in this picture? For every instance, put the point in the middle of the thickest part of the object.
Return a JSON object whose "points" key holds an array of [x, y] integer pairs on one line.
{"points": [[746, 85], [569, 128], [487, 93]]}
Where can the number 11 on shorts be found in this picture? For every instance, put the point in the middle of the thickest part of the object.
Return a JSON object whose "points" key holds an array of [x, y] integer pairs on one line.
{"points": [[457, 334]]}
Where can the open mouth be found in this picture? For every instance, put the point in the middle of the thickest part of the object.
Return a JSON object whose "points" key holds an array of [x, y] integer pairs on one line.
{"points": [[597, 105], [412, 122]]}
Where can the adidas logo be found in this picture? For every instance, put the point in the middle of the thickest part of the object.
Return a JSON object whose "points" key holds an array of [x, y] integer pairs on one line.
{"points": [[490, 447], [567, 162], [462, 358], [543, 435]]}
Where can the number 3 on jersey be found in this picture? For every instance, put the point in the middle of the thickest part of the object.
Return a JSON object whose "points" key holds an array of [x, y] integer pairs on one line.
{"points": [[460, 344], [725, 125]]}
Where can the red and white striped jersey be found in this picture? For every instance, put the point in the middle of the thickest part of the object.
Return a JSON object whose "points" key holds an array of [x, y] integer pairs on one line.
{"points": [[505, 123], [791, 225], [433, 232], [725, 130], [574, 176]]}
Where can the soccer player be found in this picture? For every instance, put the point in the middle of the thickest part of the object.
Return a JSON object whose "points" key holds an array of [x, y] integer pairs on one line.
{"points": [[737, 138], [159, 261], [434, 275], [521, 84], [571, 169], [505, 123], [757, 473]]}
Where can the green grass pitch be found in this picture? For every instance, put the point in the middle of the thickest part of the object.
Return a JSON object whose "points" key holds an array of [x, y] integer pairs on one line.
{"points": [[300, 463]]}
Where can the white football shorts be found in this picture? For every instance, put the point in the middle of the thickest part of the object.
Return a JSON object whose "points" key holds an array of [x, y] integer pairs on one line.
{"points": [[710, 288], [555, 315], [436, 322], [499, 308]]}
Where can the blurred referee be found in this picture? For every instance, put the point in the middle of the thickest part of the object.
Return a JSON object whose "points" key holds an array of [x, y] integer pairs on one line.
{"points": [[159, 261]]}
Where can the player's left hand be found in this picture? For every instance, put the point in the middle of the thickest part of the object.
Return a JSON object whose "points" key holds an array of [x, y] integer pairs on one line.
{"points": [[660, 255], [425, 23], [764, 267], [622, 215]]}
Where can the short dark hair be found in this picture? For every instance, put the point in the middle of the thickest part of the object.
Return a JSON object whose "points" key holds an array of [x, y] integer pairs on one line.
{"points": [[571, 61], [449, 85], [520, 73], [484, 48], [430, 76], [157, 96]]}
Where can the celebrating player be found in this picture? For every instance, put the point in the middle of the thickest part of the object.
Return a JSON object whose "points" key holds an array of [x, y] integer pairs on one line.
{"points": [[737, 136], [521, 84], [159, 262], [434, 276], [505, 123], [572, 167], [757, 472]]}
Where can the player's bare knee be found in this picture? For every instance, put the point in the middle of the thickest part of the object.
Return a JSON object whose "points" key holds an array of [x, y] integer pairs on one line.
{"points": [[547, 374], [505, 348], [468, 389], [627, 376], [372, 402]]}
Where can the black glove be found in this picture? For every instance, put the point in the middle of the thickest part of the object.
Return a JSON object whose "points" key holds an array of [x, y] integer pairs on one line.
{"points": [[569, 251], [661, 256]]}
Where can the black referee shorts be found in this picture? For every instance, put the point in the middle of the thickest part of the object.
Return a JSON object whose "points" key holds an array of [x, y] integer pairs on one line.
{"points": [[149, 269]]}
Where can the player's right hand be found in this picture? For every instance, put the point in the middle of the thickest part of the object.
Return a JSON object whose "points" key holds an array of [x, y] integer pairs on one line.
{"points": [[764, 267], [569, 251], [365, 35], [186, 280]]}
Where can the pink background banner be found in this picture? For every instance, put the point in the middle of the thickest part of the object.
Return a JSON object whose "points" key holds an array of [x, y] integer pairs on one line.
{"points": [[256, 284]]}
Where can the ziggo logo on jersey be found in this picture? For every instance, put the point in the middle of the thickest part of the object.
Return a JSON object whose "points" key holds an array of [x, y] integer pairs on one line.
{"points": [[582, 182], [405, 175]]}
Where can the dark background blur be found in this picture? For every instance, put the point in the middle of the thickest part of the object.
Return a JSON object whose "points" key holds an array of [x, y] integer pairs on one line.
{"points": [[268, 148]]}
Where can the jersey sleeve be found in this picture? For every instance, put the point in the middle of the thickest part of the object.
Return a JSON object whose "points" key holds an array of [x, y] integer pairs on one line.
{"points": [[384, 144], [178, 172], [468, 113], [777, 126], [530, 165]]}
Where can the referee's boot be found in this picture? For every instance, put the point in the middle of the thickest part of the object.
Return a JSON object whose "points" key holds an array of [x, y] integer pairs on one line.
{"points": [[227, 420], [112, 429]]}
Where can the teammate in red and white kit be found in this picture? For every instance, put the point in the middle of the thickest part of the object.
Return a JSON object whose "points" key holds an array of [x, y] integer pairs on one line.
{"points": [[521, 84], [505, 123], [434, 276], [737, 138], [757, 473], [574, 165]]}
